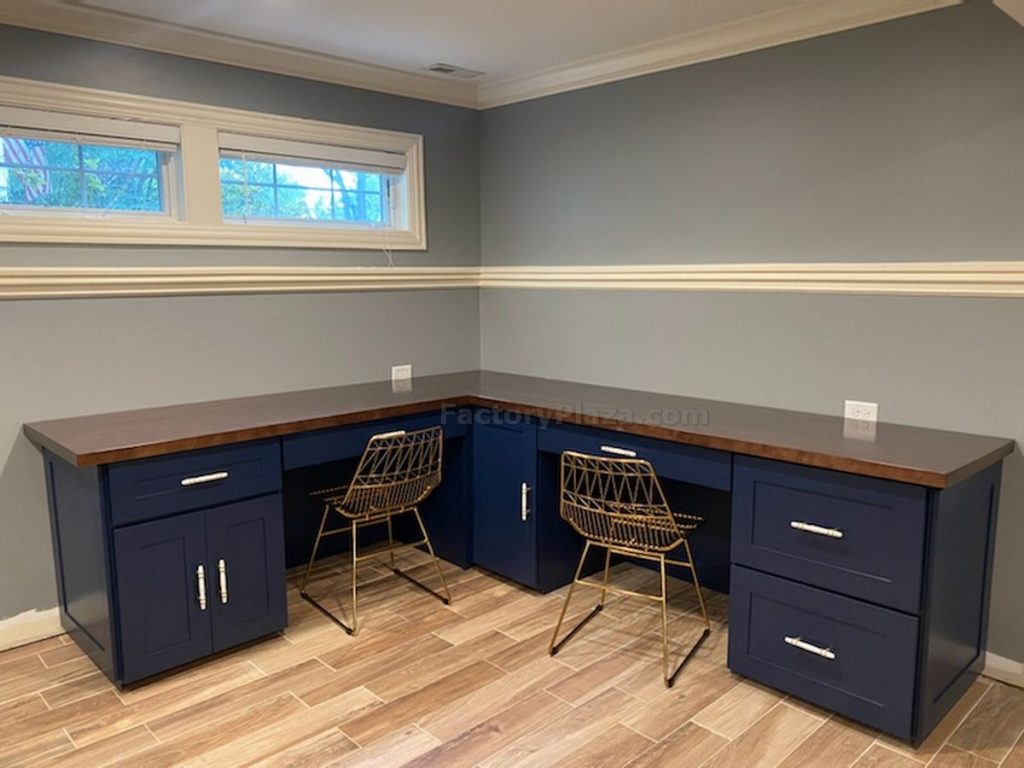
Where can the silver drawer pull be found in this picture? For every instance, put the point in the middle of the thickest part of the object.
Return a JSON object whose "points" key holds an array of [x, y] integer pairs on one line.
{"points": [[832, 533], [524, 502], [618, 451], [200, 479], [825, 653], [201, 582], [222, 573], [384, 435]]}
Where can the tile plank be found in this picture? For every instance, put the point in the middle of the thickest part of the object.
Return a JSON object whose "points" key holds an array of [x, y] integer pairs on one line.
{"points": [[994, 725], [768, 741], [689, 745]]}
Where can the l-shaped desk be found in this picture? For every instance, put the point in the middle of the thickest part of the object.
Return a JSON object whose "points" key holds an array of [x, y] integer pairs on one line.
{"points": [[859, 565]]}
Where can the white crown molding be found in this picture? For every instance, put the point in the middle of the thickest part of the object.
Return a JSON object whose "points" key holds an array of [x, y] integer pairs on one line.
{"points": [[1012, 8], [137, 32], [803, 20], [28, 627], [799, 22], [973, 279]]}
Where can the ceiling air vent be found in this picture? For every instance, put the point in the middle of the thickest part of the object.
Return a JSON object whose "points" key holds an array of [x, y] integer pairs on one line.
{"points": [[450, 70]]}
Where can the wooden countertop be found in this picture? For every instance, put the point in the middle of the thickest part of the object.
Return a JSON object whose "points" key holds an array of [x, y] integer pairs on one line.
{"points": [[926, 457]]}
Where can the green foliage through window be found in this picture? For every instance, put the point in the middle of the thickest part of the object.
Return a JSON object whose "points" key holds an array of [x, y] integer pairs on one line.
{"points": [[263, 189], [41, 173]]}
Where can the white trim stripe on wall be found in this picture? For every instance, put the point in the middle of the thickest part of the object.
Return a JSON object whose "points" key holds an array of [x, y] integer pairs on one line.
{"points": [[992, 279]]}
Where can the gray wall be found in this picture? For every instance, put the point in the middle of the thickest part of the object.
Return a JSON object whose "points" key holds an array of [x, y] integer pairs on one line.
{"points": [[899, 142], [67, 357]]}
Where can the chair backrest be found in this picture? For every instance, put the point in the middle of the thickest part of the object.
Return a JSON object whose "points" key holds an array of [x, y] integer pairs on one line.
{"points": [[617, 502], [396, 472]]}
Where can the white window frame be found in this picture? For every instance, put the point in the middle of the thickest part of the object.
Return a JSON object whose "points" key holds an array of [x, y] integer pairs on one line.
{"points": [[199, 219]]}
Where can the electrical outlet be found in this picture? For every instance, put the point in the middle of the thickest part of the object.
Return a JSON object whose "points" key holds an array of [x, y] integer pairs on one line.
{"points": [[401, 373], [861, 411]]}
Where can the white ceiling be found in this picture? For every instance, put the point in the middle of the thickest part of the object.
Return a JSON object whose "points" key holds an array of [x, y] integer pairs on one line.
{"points": [[502, 38], [525, 48]]}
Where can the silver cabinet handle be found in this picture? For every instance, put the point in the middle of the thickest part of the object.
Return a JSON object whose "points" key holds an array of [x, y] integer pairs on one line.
{"points": [[200, 479], [222, 574], [825, 653], [201, 582], [524, 502], [832, 533], [618, 451]]}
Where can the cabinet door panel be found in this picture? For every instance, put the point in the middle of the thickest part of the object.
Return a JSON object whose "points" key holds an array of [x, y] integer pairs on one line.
{"points": [[504, 458], [162, 621], [246, 541]]}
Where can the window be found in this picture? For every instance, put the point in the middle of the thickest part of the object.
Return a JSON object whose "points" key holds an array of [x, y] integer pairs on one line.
{"points": [[270, 178], [59, 174], [269, 189], [104, 166], [84, 166]]}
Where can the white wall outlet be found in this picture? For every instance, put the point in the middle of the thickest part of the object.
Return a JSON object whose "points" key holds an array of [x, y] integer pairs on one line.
{"points": [[861, 411], [401, 373]]}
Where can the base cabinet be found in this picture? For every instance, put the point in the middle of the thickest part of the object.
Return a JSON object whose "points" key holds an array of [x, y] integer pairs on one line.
{"points": [[159, 583], [504, 486], [197, 583]]}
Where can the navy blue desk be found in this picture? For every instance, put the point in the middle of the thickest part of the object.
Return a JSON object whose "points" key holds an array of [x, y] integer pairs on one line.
{"points": [[863, 589]]}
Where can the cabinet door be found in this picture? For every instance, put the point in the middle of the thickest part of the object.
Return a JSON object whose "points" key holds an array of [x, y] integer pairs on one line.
{"points": [[504, 526], [163, 608], [245, 542]]}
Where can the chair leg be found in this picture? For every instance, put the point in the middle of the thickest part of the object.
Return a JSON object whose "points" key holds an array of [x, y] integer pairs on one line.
{"points": [[696, 584], [355, 580], [391, 544], [664, 623], [607, 563], [316, 547], [445, 598], [309, 568], [670, 680], [556, 644]]}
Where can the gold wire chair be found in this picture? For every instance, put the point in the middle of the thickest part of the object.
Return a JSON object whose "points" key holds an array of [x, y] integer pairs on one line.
{"points": [[396, 472], [618, 504]]}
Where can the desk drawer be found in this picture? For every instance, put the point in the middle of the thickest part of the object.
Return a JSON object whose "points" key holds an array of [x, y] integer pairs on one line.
{"points": [[688, 463], [851, 657], [326, 445], [151, 488], [860, 536]]}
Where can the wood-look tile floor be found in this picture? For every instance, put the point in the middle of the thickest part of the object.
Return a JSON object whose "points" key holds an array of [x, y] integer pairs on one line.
{"points": [[470, 685]]}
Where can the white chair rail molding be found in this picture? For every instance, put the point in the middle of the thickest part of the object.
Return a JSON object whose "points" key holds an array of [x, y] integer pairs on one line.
{"points": [[992, 279]]}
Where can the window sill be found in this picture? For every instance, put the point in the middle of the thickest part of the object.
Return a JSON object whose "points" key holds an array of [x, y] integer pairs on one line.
{"points": [[63, 230]]}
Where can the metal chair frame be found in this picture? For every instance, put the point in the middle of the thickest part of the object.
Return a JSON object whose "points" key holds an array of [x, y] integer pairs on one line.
{"points": [[396, 472], [618, 504]]}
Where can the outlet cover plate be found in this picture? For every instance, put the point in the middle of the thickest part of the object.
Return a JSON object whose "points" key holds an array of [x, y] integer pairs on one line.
{"points": [[860, 410], [401, 372]]}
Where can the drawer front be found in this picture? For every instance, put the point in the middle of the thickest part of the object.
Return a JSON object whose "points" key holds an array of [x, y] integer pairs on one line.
{"points": [[860, 536], [843, 654], [326, 445], [688, 463], [151, 488]]}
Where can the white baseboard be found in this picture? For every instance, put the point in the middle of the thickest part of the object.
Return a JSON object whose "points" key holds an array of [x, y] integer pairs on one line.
{"points": [[28, 627], [1004, 669]]}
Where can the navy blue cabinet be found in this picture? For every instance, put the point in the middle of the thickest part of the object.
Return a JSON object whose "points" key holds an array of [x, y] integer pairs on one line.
{"points": [[245, 553], [162, 589], [844, 654], [504, 483], [196, 583]]}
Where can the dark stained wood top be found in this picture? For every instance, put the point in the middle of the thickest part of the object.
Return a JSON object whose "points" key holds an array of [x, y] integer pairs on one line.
{"points": [[926, 457]]}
